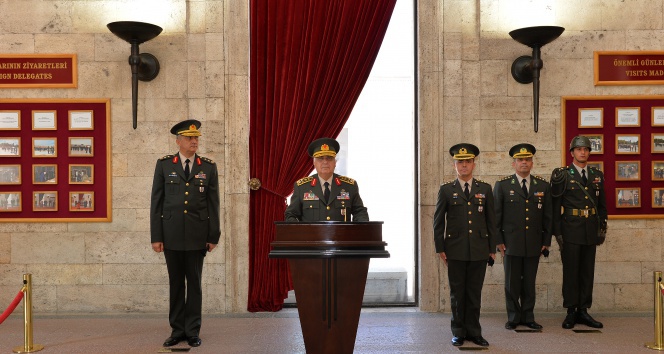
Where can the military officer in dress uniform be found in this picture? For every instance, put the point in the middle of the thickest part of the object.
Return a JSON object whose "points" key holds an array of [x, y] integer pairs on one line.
{"points": [[523, 219], [579, 228], [325, 196], [184, 224], [464, 225]]}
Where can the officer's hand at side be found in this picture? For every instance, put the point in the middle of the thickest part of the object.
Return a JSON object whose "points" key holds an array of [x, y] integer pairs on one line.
{"points": [[158, 246], [210, 246], [443, 256], [501, 248]]}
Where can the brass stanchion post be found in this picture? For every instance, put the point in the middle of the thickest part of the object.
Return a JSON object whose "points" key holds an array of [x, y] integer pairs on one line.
{"points": [[659, 333], [28, 347]]}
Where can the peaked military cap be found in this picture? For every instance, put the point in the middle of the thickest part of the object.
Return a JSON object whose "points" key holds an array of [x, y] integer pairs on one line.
{"points": [[187, 127], [523, 150], [323, 147], [464, 151]]}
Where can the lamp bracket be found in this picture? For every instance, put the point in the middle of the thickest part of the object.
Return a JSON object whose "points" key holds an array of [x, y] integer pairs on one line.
{"points": [[522, 70], [148, 67]]}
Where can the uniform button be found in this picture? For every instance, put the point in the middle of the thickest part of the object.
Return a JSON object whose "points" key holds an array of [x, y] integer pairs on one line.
{"points": [[311, 206], [186, 193], [328, 207], [186, 202], [470, 221], [526, 209], [586, 188], [470, 231], [470, 212], [526, 227], [328, 218], [468, 203], [527, 219], [586, 207], [187, 184], [586, 197], [185, 211], [527, 201]]}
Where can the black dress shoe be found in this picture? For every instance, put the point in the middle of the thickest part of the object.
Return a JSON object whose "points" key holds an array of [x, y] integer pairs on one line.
{"points": [[533, 325], [569, 321], [479, 340], [510, 325], [582, 317], [171, 341], [457, 341], [194, 341]]}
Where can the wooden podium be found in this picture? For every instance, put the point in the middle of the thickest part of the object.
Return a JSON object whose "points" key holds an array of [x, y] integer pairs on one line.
{"points": [[329, 261]]}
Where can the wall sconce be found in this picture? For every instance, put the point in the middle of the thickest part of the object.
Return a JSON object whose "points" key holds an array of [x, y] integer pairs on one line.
{"points": [[144, 66], [526, 69]]}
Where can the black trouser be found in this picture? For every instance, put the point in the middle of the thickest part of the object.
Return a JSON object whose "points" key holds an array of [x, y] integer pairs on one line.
{"points": [[520, 276], [578, 275], [466, 279], [184, 313]]}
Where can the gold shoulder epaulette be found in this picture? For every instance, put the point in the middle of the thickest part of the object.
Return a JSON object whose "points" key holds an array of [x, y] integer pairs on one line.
{"points": [[347, 179], [506, 177], [206, 160], [540, 178], [447, 182], [165, 157], [480, 181], [304, 180]]}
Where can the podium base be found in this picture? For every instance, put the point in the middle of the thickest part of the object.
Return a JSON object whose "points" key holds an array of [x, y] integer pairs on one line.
{"points": [[654, 346], [23, 349]]}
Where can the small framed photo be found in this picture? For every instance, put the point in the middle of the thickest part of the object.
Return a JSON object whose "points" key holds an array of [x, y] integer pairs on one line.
{"points": [[45, 201], [628, 144], [657, 143], [81, 201], [628, 197], [44, 147], [657, 196], [628, 170], [596, 143], [10, 147], [591, 117], [80, 147], [598, 165], [10, 174], [628, 117], [658, 170], [10, 120], [658, 116], [10, 202], [44, 174], [44, 120], [81, 174], [81, 120]]}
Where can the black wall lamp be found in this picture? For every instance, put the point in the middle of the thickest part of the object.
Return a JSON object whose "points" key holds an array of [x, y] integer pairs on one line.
{"points": [[144, 66], [526, 69]]}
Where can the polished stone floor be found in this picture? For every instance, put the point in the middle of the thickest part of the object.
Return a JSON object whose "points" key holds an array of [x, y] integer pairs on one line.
{"points": [[392, 330]]}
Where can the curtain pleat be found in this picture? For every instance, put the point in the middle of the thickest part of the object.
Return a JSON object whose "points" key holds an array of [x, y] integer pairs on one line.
{"points": [[309, 62]]}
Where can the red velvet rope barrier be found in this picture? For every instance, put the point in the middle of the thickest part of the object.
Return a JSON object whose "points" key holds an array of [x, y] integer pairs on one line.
{"points": [[12, 306]]}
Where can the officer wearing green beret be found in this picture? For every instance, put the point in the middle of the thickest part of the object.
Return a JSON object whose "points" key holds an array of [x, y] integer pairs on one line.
{"points": [[184, 224], [325, 196], [523, 221], [464, 225], [578, 190]]}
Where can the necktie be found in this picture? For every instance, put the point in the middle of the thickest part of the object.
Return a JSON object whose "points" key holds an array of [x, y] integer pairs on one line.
{"points": [[583, 177], [466, 191], [326, 194], [186, 168], [523, 186]]}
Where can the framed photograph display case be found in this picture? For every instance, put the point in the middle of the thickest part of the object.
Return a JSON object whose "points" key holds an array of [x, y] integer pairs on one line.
{"points": [[48, 150], [626, 120], [10, 202], [10, 174]]}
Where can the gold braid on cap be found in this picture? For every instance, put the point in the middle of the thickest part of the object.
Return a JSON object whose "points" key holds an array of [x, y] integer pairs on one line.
{"points": [[463, 155], [192, 131], [325, 151], [523, 152]]}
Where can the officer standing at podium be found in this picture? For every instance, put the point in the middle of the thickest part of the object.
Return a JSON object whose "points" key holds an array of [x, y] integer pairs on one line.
{"points": [[464, 225], [325, 196]]}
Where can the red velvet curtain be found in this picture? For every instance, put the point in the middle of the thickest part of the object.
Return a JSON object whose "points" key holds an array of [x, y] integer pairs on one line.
{"points": [[310, 60]]}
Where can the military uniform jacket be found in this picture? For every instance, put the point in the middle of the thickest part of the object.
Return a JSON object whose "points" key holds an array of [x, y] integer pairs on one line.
{"points": [[523, 221], [465, 228], [567, 192], [184, 213], [307, 202]]}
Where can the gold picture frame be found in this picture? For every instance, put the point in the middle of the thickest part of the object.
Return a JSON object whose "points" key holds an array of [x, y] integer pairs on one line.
{"points": [[628, 197]]}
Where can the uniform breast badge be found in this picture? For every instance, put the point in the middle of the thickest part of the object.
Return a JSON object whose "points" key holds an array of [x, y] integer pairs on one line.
{"points": [[343, 195], [310, 196], [455, 195]]}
